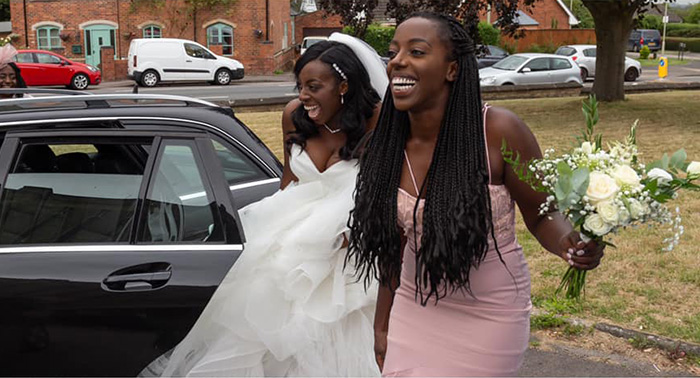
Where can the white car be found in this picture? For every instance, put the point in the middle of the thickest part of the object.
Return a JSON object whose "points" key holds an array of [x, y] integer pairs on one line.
{"points": [[585, 55], [155, 60], [309, 41], [531, 68]]}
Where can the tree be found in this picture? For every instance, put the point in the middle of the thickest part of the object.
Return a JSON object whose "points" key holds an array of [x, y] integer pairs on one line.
{"points": [[614, 20], [357, 14], [585, 20], [5, 10], [694, 14]]}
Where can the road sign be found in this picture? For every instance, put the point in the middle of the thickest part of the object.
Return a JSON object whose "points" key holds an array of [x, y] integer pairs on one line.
{"points": [[663, 67], [665, 19]]}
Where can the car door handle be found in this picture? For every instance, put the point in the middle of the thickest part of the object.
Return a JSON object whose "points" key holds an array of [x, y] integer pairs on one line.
{"points": [[188, 61], [125, 280]]}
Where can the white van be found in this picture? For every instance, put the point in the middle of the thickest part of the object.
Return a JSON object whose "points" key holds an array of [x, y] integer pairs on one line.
{"points": [[152, 60], [308, 41]]}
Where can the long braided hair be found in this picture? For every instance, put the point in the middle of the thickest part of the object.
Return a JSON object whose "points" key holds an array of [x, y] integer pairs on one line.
{"points": [[358, 103], [457, 216]]}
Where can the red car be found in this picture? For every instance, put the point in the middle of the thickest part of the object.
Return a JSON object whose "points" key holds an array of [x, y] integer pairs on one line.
{"points": [[40, 67]]}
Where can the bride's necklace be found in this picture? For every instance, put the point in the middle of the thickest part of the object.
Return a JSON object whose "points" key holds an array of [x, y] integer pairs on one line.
{"points": [[332, 131]]}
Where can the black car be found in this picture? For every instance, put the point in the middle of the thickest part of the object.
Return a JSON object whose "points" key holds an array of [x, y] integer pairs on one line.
{"points": [[488, 55], [118, 220]]}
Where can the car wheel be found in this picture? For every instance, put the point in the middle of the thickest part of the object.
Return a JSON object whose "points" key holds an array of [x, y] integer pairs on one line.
{"points": [[631, 74], [584, 74], [150, 78], [79, 81], [223, 76], [507, 84]]}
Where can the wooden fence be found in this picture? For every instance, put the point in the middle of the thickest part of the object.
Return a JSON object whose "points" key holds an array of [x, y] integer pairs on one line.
{"points": [[551, 38]]}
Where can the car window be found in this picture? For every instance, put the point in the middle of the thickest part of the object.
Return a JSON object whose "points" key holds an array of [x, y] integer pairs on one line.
{"points": [[538, 64], [179, 206], [589, 52], [496, 51], [48, 59], [510, 63], [195, 51], [237, 167], [70, 193], [566, 51], [559, 64], [651, 34], [24, 58]]}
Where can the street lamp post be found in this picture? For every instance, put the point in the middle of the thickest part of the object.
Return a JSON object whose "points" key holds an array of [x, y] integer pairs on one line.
{"points": [[665, 21]]}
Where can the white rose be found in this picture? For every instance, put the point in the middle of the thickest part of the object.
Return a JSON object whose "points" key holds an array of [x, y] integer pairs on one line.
{"points": [[693, 168], [625, 175], [587, 148], [595, 224], [661, 176], [636, 208], [609, 212], [601, 187]]}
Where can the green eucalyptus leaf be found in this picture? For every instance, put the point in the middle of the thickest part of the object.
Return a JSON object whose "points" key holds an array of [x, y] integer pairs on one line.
{"points": [[580, 179], [678, 159]]}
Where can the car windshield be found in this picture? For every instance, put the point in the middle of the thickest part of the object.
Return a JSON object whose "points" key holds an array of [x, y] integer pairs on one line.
{"points": [[309, 42], [566, 50], [510, 63]]}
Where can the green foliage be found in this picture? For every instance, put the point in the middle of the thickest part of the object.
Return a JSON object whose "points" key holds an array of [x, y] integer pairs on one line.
{"points": [[641, 342], [650, 21], [691, 44], [583, 14], [546, 321], [571, 330], [488, 34], [511, 48], [683, 30], [644, 52], [278, 72], [549, 48], [4, 10], [555, 305], [376, 36], [694, 15]]}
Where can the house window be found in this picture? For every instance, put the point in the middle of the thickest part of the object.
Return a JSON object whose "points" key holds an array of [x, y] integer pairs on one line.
{"points": [[152, 31], [48, 38], [222, 35]]}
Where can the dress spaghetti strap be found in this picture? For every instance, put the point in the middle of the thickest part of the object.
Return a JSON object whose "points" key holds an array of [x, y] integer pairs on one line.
{"points": [[486, 142], [413, 177]]}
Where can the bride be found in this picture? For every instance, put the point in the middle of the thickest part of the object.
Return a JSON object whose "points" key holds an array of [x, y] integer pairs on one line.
{"points": [[288, 307]]}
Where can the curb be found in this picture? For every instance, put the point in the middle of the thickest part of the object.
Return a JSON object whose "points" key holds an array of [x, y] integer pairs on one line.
{"points": [[660, 342]]}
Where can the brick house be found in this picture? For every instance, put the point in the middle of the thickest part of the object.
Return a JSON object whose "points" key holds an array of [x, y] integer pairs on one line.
{"points": [[258, 33]]}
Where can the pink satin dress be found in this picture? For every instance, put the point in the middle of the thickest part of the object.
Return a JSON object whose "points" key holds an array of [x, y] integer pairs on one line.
{"points": [[484, 334]]}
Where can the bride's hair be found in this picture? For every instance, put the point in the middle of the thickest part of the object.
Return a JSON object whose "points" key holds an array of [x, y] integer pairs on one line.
{"points": [[358, 103], [457, 216]]}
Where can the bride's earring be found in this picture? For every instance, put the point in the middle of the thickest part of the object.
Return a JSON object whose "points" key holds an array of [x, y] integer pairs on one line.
{"points": [[342, 99]]}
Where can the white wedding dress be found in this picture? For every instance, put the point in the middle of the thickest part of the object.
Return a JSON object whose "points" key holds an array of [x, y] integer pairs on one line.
{"points": [[287, 307]]}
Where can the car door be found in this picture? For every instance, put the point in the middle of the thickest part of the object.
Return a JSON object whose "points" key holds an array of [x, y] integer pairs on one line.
{"points": [[111, 244], [53, 70], [561, 70], [198, 63], [537, 72], [588, 60]]}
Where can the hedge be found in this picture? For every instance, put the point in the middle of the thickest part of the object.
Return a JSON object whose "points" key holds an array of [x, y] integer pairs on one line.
{"points": [[377, 36], [691, 44], [683, 30]]}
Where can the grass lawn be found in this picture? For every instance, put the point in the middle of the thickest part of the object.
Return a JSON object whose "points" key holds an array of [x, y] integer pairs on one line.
{"points": [[655, 62], [637, 286]]}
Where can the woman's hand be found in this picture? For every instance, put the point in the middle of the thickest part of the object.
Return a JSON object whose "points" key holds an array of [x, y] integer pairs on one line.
{"points": [[579, 254], [380, 348]]}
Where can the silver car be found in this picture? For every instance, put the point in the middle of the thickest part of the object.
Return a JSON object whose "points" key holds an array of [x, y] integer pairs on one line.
{"points": [[584, 55], [531, 68]]}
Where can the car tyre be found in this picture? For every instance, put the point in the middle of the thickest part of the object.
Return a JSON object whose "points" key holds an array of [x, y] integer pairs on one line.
{"points": [[507, 84], [631, 74], [222, 77], [584, 74], [150, 78], [79, 81]]}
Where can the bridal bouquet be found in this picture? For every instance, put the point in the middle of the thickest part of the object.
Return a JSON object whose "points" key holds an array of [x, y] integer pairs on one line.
{"points": [[602, 189]]}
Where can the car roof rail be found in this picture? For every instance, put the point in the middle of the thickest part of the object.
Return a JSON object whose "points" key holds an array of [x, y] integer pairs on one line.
{"points": [[42, 91], [97, 101]]}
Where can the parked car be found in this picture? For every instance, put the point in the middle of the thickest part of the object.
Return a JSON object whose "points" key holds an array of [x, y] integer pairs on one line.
{"points": [[644, 37], [487, 55], [531, 68], [40, 67], [309, 41], [584, 56], [155, 60], [118, 220]]}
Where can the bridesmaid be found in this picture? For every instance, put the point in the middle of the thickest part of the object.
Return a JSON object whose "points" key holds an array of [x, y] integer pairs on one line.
{"points": [[434, 215]]}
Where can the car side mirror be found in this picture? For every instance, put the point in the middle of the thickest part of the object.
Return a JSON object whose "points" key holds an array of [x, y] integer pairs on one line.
{"points": [[526, 70]]}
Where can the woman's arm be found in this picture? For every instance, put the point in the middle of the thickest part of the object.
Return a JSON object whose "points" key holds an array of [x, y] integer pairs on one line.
{"points": [[553, 231], [287, 128], [385, 300]]}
